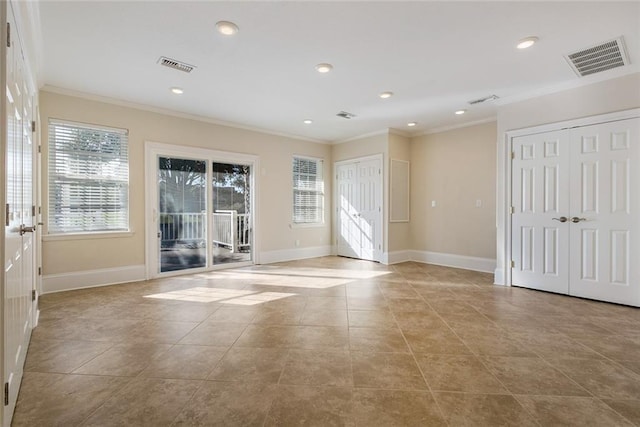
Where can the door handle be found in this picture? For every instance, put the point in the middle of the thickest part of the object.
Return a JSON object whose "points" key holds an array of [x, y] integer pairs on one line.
{"points": [[575, 219], [24, 229], [561, 219]]}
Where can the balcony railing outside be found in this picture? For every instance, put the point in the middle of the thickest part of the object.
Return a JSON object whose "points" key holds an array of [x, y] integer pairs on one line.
{"points": [[230, 229]]}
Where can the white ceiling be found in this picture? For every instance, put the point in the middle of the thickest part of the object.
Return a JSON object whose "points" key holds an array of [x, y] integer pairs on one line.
{"points": [[435, 57]]}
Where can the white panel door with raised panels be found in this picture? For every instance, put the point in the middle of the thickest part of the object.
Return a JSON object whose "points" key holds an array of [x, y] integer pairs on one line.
{"points": [[359, 209], [540, 231], [576, 219], [605, 200], [19, 228]]}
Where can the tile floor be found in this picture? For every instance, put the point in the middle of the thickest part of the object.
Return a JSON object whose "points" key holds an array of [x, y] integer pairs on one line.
{"points": [[330, 341]]}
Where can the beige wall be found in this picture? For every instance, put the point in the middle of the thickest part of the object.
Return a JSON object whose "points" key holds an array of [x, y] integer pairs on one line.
{"points": [[274, 200], [608, 96], [455, 169], [399, 234]]}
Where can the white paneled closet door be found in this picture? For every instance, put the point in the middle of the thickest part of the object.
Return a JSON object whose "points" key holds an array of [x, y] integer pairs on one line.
{"points": [[540, 236], [359, 209], [576, 211], [605, 205]]}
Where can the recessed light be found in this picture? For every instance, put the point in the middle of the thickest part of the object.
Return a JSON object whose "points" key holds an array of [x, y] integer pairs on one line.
{"points": [[227, 28], [411, 124], [177, 90], [324, 67], [385, 95], [307, 121], [527, 42], [460, 112]]}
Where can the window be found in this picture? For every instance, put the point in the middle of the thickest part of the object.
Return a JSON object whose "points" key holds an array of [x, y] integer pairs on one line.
{"points": [[88, 178], [308, 191]]}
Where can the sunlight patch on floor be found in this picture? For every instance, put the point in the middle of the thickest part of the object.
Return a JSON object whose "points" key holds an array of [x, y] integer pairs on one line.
{"points": [[223, 296], [312, 278]]}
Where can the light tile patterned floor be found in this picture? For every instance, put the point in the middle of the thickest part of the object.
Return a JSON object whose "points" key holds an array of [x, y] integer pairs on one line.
{"points": [[330, 341]]}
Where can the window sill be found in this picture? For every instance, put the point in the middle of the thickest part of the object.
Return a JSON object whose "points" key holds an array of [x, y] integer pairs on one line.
{"points": [[307, 225], [88, 236]]}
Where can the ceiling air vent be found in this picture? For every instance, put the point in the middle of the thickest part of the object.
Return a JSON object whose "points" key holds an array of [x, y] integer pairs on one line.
{"points": [[345, 115], [176, 65], [485, 99], [602, 57]]}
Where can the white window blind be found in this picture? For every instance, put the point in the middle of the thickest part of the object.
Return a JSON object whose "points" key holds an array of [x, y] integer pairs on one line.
{"points": [[308, 191], [88, 178]]}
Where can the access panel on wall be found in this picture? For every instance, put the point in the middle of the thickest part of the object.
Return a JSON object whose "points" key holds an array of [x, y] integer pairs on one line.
{"points": [[576, 213]]}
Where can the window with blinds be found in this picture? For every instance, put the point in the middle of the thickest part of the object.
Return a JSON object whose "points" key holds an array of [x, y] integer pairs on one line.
{"points": [[308, 191], [88, 178]]}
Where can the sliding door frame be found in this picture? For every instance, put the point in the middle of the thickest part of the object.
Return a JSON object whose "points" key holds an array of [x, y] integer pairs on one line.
{"points": [[152, 151]]}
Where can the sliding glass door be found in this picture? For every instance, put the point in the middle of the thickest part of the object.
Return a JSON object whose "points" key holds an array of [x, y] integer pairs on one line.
{"points": [[232, 229], [182, 213], [201, 207]]}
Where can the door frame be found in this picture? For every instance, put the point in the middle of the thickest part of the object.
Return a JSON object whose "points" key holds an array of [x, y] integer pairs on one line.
{"points": [[151, 152], [379, 253], [503, 219]]}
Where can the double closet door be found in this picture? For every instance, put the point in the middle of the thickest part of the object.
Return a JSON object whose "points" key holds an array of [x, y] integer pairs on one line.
{"points": [[359, 208], [576, 211]]}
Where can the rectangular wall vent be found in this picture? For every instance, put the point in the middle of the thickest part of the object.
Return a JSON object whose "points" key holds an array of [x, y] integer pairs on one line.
{"points": [[345, 115], [175, 64], [595, 59], [485, 99]]}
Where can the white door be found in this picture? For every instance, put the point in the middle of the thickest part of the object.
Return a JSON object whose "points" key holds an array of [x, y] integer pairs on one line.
{"points": [[540, 227], [19, 238], [359, 209], [605, 202], [576, 200]]}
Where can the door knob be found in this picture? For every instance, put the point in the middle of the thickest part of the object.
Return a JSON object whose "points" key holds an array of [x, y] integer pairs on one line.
{"points": [[561, 219], [575, 219], [24, 229]]}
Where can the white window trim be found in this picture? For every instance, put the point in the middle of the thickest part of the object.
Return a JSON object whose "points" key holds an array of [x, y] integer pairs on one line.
{"points": [[80, 235], [324, 196]]}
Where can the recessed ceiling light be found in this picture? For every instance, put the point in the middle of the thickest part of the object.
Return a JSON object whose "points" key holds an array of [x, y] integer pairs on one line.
{"points": [[411, 124], [307, 121], [227, 28], [177, 90], [459, 112], [324, 67], [527, 42], [385, 95]]}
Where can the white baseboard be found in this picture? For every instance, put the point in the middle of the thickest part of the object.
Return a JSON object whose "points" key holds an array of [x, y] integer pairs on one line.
{"points": [[396, 257], [294, 254], [486, 265], [498, 277], [92, 278]]}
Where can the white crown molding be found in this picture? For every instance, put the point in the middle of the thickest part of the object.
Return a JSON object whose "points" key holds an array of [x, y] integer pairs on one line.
{"points": [[458, 126], [173, 113], [366, 135], [570, 84], [394, 131]]}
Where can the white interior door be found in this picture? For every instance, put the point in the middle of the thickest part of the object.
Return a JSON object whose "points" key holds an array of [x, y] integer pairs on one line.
{"points": [[349, 235], [370, 208], [359, 209], [605, 203], [19, 239], [540, 227], [576, 219]]}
